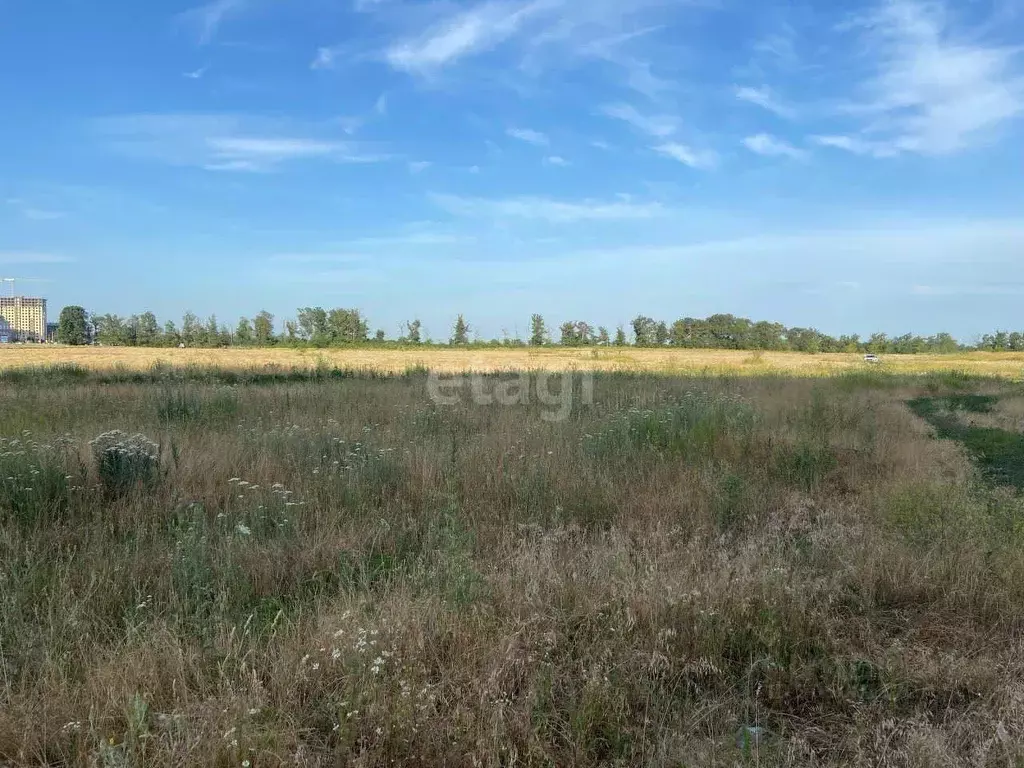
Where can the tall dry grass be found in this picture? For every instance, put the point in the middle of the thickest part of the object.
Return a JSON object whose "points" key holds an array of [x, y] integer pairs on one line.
{"points": [[339, 571], [667, 360]]}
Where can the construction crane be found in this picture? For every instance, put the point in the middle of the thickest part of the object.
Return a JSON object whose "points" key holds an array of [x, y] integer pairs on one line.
{"points": [[12, 280]]}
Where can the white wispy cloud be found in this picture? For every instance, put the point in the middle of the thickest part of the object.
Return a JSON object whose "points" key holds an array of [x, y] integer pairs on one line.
{"points": [[318, 257], [936, 88], [779, 47], [248, 153], [31, 257], [556, 161], [419, 166], [32, 212], [541, 34], [207, 19], [41, 214], [770, 146], [529, 136], [463, 33], [659, 126], [982, 289], [764, 98], [697, 159], [225, 142], [422, 238], [857, 145], [546, 209], [325, 58]]}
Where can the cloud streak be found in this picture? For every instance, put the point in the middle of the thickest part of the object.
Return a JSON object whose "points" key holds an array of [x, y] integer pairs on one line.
{"points": [[463, 34], [770, 146], [207, 19], [658, 126], [764, 98], [698, 160], [529, 136], [546, 209], [29, 257], [224, 142], [538, 33]]}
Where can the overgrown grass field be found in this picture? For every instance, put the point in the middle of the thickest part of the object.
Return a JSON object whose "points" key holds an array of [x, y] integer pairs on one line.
{"points": [[204, 567], [398, 360]]}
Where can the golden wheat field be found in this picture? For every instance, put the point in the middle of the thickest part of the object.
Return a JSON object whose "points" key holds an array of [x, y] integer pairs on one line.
{"points": [[1008, 365]]}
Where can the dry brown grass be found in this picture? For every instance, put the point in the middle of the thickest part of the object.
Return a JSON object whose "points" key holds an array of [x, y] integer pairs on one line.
{"points": [[1007, 413], [1008, 365], [474, 585]]}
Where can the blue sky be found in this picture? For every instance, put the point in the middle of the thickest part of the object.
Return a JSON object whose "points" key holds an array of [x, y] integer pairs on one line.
{"points": [[851, 166]]}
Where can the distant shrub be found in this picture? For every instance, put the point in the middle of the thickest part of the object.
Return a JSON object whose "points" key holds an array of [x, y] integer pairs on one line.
{"points": [[125, 462]]}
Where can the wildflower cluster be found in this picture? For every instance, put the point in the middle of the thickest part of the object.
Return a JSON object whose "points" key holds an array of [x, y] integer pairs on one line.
{"points": [[258, 511], [379, 688], [124, 461]]}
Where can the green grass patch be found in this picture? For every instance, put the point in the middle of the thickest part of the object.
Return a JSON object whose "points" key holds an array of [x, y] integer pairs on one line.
{"points": [[999, 453]]}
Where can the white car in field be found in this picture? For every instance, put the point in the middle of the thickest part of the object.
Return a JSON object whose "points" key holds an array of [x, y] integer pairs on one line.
{"points": [[871, 359]]}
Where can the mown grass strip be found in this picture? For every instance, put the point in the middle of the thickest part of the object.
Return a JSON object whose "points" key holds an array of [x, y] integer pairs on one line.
{"points": [[999, 453]]}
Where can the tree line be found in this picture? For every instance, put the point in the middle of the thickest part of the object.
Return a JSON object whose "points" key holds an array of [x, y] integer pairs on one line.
{"points": [[319, 327]]}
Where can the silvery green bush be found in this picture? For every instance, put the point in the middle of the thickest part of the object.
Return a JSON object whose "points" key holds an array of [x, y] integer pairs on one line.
{"points": [[124, 461]]}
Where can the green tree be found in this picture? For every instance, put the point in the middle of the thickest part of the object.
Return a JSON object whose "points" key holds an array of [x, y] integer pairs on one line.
{"points": [[849, 343], [460, 333], [765, 335], [644, 329], [804, 340], [620, 337], [538, 331], [943, 343], [263, 328], [73, 326], [347, 326], [171, 336], [878, 344], [661, 334], [568, 335], [379, 336], [412, 335], [602, 336], [681, 332], [112, 330], [243, 332], [291, 331], [148, 330], [190, 329], [209, 333], [313, 325]]}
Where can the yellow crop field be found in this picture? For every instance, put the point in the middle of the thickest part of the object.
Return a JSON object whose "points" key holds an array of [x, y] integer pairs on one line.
{"points": [[682, 361]]}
